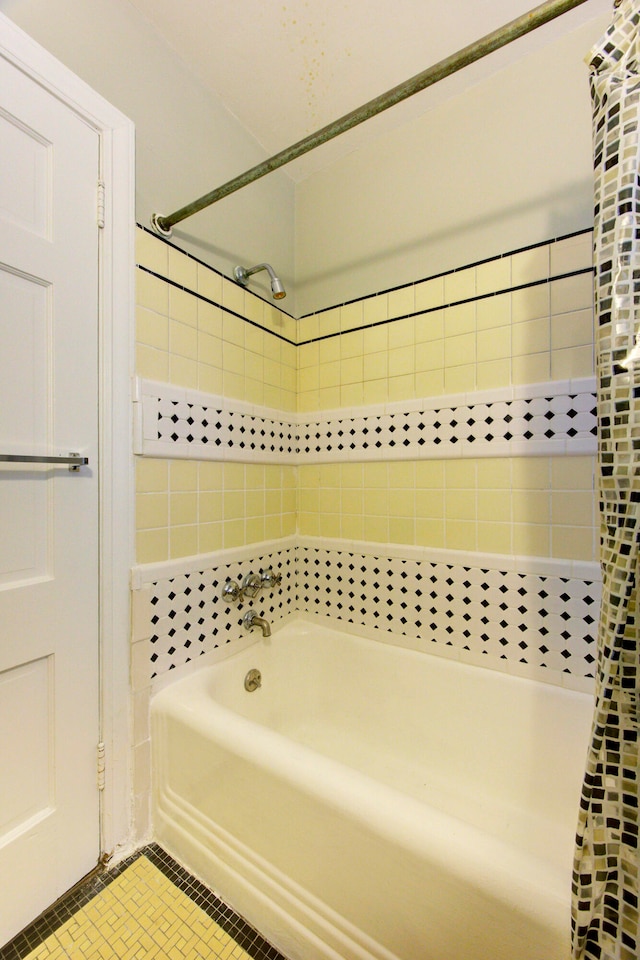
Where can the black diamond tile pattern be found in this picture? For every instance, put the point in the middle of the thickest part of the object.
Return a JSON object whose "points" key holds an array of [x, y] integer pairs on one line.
{"points": [[417, 433], [213, 433], [535, 620], [542, 621], [190, 618], [189, 423]]}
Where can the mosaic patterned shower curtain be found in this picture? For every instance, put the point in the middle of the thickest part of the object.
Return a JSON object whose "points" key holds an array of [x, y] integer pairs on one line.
{"points": [[605, 881]]}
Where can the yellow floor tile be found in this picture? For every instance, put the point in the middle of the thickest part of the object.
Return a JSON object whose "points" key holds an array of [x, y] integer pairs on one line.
{"points": [[141, 915]]}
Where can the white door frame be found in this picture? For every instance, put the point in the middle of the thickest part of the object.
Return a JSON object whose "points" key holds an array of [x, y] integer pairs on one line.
{"points": [[116, 359]]}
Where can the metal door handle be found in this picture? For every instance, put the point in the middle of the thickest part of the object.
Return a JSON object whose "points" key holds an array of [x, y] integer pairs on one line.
{"points": [[74, 460]]}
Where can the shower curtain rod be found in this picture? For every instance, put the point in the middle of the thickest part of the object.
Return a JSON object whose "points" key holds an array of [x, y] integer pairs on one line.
{"points": [[475, 51]]}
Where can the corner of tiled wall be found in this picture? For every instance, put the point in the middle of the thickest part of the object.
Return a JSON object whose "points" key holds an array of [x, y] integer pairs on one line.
{"points": [[448, 423]]}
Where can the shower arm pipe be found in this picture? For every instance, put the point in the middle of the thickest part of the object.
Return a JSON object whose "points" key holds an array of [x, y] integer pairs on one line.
{"points": [[444, 68]]}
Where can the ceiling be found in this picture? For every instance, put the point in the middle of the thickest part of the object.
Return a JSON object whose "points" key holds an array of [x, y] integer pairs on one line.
{"points": [[285, 68]]}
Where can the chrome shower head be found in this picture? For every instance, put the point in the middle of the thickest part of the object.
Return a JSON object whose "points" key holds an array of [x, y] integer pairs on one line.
{"points": [[242, 275]]}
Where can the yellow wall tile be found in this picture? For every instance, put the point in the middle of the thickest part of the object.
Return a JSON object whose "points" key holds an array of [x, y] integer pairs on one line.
{"points": [[572, 363], [530, 304], [209, 283], [574, 253], [351, 370], [183, 508], [375, 309], [494, 344], [429, 294], [574, 543], [573, 473], [209, 379], [376, 365], [460, 350], [183, 269], [152, 293], [494, 275], [401, 388], [152, 546], [183, 475], [429, 326], [460, 505], [351, 316], [493, 505], [530, 265], [183, 541], [152, 252], [493, 312], [210, 537], [151, 363], [209, 319], [491, 374], [329, 350], [430, 356], [494, 537], [571, 293], [152, 329], [183, 306], [461, 535], [152, 510], [530, 539], [401, 361], [533, 368], [460, 319], [459, 285], [401, 301], [430, 533], [183, 371], [572, 329], [152, 476], [183, 339], [460, 379]]}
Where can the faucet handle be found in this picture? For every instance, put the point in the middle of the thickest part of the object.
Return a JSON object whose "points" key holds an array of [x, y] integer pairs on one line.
{"points": [[231, 591], [270, 578], [251, 585]]}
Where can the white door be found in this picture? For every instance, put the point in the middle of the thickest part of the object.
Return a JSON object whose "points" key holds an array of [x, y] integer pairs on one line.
{"points": [[49, 717]]}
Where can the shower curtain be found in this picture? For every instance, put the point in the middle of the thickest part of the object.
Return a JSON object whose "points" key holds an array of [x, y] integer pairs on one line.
{"points": [[605, 877]]}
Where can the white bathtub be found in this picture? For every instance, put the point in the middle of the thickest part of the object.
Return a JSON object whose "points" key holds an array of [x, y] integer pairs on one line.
{"points": [[373, 802]]}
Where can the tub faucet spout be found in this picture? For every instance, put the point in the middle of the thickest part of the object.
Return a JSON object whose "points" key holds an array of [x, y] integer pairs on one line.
{"points": [[251, 620]]}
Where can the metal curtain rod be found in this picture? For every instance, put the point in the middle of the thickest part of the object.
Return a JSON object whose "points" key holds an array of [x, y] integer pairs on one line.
{"points": [[475, 51]]}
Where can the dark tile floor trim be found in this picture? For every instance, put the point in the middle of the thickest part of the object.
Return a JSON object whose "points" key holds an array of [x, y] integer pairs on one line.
{"points": [[61, 911]]}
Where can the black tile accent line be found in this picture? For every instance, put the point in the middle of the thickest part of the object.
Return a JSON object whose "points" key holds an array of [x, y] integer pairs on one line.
{"points": [[442, 306], [199, 296], [244, 935], [61, 911], [202, 263], [448, 273]]}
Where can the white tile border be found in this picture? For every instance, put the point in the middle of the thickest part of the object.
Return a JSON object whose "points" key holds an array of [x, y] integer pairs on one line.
{"points": [[147, 393]]}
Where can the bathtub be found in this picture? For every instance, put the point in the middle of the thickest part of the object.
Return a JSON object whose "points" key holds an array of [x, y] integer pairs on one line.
{"points": [[369, 801]]}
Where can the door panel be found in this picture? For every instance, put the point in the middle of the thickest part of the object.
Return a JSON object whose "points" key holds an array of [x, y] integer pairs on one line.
{"points": [[49, 719]]}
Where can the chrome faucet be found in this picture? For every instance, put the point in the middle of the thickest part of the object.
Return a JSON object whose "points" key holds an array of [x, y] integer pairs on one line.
{"points": [[251, 620]]}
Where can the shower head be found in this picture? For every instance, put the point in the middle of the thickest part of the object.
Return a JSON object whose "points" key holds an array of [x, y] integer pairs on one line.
{"points": [[242, 275]]}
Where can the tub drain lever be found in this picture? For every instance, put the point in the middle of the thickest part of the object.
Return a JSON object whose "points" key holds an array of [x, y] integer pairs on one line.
{"points": [[253, 680]]}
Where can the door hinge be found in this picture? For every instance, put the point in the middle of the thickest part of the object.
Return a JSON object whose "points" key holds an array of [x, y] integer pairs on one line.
{"points": [[101, 766], [101, 203]]}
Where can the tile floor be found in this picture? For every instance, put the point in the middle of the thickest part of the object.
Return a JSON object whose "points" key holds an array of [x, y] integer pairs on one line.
{"points": [[146, 907]]}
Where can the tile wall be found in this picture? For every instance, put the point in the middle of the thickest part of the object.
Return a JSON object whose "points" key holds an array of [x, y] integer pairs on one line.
{"points": [[197, 330], [494, 362], [442, 432]]}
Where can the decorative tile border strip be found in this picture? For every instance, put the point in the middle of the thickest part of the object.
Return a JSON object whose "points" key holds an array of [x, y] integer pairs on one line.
{"points": [[504, 612], [543, 419], [530, 619], [189, 618]]}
